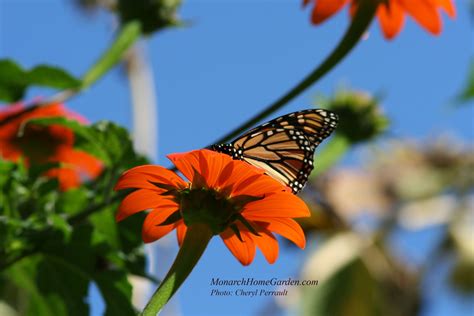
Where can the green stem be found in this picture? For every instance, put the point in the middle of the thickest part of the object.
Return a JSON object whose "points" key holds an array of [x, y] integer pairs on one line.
{"points": [[359, 24], [128, 35], [195, 242]]}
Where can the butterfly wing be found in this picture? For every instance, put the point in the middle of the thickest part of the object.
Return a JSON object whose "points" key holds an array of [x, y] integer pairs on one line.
{"points": [[284, 147]]}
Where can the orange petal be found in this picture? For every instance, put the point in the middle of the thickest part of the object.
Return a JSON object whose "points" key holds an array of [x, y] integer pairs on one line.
{"points": [[245, 179], [425, 13], [67, 177], [142, 176], [152, 230], [136, 181], [155, 233], [141, 200], [391, 19], [158, 174], [215, 163], [185, 163], [8, 150], [243, 251], [259, 185], [225, 175], [282, 204], [287, 228], [268, 244], [448, 6], [207, 163], [82, 160], [324, 9], [181, 232]]}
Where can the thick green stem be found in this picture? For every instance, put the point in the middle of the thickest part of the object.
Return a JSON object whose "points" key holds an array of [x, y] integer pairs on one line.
{"points": [[195, 242], [359, 24]]}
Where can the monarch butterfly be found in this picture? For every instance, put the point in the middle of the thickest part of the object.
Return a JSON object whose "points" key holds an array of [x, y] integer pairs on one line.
{"points": [[284, 147]]}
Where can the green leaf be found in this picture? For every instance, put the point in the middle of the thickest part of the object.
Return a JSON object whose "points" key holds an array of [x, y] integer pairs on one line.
{"points": [[115, 139], [14, 80], [21, 281], [11, 73], [54, 77], [73, 201], [105, 226], [11, 93], [132, 244], [60, 223], [56, 280], [128, 35], [95, 249], [63, 284], [116, 291]]}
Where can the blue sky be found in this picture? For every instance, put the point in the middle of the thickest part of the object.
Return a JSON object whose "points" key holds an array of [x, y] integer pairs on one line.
{"points": [[237, 57]]}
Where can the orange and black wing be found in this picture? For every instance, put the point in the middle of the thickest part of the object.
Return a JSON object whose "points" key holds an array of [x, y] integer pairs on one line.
{"points": [[284, 147]]}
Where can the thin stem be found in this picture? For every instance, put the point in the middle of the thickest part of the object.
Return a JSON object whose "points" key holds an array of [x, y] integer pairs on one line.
{"points": [[195, 242], [359, 24]]}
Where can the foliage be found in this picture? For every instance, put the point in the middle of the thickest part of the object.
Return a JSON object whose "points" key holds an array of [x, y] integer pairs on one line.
{"points": [[52, 239], [54, 244]]}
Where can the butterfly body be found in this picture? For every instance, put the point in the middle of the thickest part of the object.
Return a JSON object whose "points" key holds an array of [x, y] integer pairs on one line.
{"points": [[284, 147]]}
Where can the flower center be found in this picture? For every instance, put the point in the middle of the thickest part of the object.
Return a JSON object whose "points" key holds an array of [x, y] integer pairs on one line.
{"points": [[208, 206], [41, 144]]}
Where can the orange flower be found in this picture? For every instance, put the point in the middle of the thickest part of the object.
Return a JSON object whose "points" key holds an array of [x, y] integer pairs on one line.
{"points": [[238, 201], [46, 144], [391, 13]]}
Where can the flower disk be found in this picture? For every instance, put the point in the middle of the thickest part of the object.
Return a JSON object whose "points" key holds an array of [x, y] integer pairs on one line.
{"points": [[238, 202]]}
